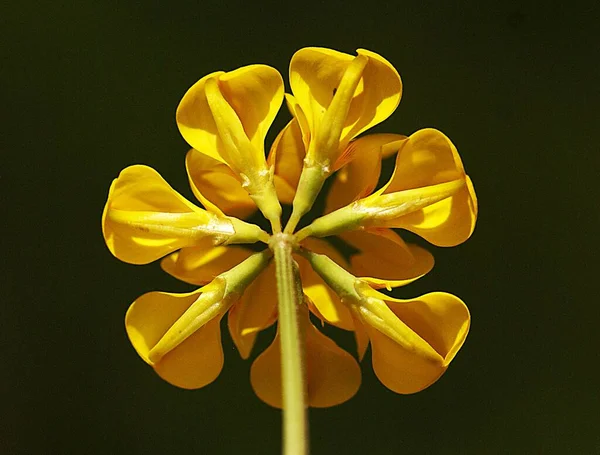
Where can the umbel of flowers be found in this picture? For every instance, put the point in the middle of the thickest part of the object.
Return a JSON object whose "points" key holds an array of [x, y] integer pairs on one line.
{"points": [[225, 117]]}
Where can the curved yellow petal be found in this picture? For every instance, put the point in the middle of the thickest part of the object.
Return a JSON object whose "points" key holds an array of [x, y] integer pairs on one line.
{"points": [[197, 361], [316, 76], [286, 157], [255, 311], [441, 319], [194, 363], [145, 219], [385, 259], [216, 186], [361, 163], [253, 92], [429, 158], [322, 296], [226, 116], [201, 264], [332, 375]]}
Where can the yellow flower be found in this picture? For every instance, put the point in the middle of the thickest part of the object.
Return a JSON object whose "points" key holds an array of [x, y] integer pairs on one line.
{"points": [[413, 341], [336, 97], [225, 117], [145, 219], [179, 335], [257, 308], [429, 194]]}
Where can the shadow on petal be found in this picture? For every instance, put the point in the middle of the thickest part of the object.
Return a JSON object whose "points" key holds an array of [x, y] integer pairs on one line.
{"points": [[255, 311], [330, 308], [200, 264], [194, 363], [442, 320], [333, 376], [216, 186], [197, 361], [385, 259], [286, 157]]}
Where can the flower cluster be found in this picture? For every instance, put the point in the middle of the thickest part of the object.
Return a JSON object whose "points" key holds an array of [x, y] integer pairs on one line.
{"points": [[224, 117]]}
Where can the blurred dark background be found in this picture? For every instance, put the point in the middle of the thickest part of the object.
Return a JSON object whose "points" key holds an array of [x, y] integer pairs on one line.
{"points": [[88, 88]]}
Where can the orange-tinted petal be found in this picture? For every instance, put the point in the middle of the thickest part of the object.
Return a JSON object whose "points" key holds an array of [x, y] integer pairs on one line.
{"points": [[194, 363], [217, 187], [332, 375], [385, 259], [200, 264], [323, 297], [255, 311], [361, 163], [441, 319]]}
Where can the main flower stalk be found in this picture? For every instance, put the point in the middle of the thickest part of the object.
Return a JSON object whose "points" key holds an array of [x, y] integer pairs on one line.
{"points": [[293, 377]]}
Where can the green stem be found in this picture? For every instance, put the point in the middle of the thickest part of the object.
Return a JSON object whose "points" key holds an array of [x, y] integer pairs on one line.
{"points": [[289, 293]]}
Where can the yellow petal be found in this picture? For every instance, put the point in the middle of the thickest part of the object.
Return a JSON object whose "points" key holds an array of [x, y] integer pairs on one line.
{"points": [[217, 187], [258, 86], [286, 157], [226, 116], [316, 75], [255, 311], [195, 362], [332, 375], [323, 297], [429, 158], [255, 92], [361, 163], [441, 319], [385, 259], [201, 264], [145, 219]]}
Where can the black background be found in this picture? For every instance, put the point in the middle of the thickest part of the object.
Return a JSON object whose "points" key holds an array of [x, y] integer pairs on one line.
{"points": [[91, 87]]}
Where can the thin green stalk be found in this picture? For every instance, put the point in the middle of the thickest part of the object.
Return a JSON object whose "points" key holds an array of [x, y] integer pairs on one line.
{"points": [[289, 293]]}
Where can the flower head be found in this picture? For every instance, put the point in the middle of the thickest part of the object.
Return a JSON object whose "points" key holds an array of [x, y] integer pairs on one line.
{"points": [[225, 117]]}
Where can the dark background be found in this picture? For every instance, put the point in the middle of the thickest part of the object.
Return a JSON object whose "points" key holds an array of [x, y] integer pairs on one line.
{"points": [[91, 87]]}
